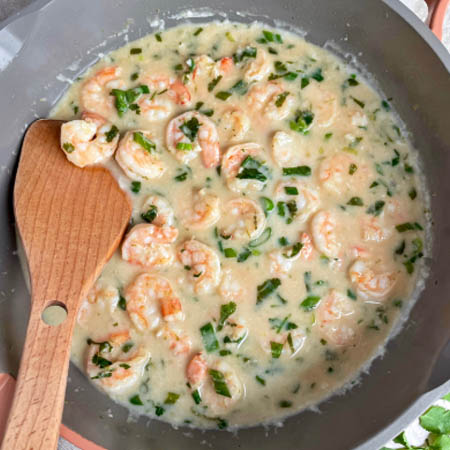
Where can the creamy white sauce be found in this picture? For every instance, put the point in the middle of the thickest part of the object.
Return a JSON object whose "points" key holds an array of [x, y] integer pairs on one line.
{"points": [[317, 327]]}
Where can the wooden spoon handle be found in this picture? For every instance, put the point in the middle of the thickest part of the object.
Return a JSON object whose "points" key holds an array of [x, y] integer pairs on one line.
{"points": [[36, 413]]}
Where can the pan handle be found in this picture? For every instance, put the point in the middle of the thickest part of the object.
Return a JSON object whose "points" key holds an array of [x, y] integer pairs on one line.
{"points": [[436, 15]]}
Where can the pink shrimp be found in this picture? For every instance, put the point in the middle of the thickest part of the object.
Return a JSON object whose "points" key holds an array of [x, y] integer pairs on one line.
{"points": [[148, 245], [191, 133]]}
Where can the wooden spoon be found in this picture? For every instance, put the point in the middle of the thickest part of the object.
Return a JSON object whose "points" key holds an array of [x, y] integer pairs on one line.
{"points": [[70, 221]]}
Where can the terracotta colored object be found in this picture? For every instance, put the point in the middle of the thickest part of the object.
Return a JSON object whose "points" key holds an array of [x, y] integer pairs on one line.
{"points": [[436, 15], [7, 386], [70, 221]]}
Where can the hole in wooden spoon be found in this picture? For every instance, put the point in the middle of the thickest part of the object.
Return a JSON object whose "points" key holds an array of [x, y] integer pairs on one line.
{"points": [[54, 314]]}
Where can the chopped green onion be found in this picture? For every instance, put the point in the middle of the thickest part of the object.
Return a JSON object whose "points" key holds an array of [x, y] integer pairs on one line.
{"points": [[358, 102], [267, 288], [260, 380], [302, 121], [112, 133], [272, 37], [226, 311], [267, 205], [376, 208], [294, 251], [247, 52], [158, 37], [135, 51], [212, 84], [136, 400], [220, 385], [184, 146], [209, 337], [143, 141], [196, 397], [190, 128], [135, 186], [291, 190], [171, 398], [198, 31], [317, 75], [310, 302], [302, 171], [408, 226], [276, 349], [355, 201], [223, 95], [229, 253], [262, 239], [150, 215], [68, 147], [122, 303]]}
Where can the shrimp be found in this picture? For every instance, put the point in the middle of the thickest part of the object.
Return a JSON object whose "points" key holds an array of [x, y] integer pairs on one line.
{"points": [[281, 261], [230, 288], [258, 68], [191, 133], [291, 342], [151, 298], [286, 152], [371, 229], [234, 125], [95, 94], [179, 343], [165, 92], [206, 68], [114, 371], [218, 401], [323, 102], [148, 245], [205, 211], [232, 162], [302, 201], [323, 227], [271, 100], [202, 264], [196, 371], [88, 141], [102, 295], [353, 119], [245, 219], [369, 284], [137, 157], [236, 333], [336, 319], [342, 173], [160, 207]]}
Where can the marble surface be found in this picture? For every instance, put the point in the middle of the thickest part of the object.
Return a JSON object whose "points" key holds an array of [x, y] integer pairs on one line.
{"points": [[10, 7]]}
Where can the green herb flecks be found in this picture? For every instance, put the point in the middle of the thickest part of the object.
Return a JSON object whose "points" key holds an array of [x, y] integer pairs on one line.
{"points": [[267, 288], [252, 169], [112, 133], [310, 303], [146, 143], [276, 349], [220, 385], [209, 337], [136, 400], [226, 311], [302, 121], [68, 147], [300, 171], [135, 187], [150, 215], [171, 398]]}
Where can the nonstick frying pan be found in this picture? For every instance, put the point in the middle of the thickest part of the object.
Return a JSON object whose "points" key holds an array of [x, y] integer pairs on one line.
{"points": [[37, 54]]}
